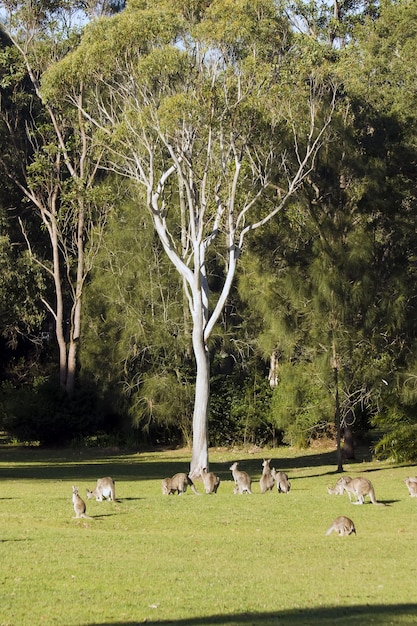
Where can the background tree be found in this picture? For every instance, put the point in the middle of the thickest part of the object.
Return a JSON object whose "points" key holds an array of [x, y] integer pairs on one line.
{"points": [[206, 131], [342, 295], [383, 89], [52, 162]]}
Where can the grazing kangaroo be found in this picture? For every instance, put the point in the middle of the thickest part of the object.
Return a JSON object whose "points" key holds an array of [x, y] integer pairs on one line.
{"points": [[79, 505], [267, 481], [281, 478], [105, 489], [338, 489], [342, 525], [411, 483], [178, 483], [211, 482], [242, 480], [360, 487]]}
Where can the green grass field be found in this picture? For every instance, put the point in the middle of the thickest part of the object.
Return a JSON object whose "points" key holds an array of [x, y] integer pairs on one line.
{"points": [[216, 559]]}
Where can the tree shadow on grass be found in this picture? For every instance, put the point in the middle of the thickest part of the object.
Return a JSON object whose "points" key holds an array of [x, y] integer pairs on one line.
{"points": [[90, 464], [357, 615]]}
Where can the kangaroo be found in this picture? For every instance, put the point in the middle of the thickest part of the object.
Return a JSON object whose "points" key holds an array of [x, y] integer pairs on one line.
{"points": [[281, 478], [360, 487], [178, 483], [338, 488], [342, 525], [267, 481], [243, 481], [79, 505], [105, 489], [211, 482], [411, 483]]}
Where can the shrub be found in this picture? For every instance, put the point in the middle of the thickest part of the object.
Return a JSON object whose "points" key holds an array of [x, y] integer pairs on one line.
{"points": [[45, 414]]}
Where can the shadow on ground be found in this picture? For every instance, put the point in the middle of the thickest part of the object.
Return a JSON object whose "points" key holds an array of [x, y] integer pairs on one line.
{"points": [[67, 464], [353, 616]]}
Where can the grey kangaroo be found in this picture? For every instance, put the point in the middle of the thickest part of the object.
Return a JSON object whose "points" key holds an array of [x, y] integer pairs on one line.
{"points": [[342, 525], [243, 481], [281, 478], [211, 482], [411, 483], [338, 489], [178, 484], [360, 487], [79, 504], [267, 481], [105, 488]]}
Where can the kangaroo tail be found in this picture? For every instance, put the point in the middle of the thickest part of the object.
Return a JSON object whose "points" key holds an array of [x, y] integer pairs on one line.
{"points": [[374, 500], [192, 487]]}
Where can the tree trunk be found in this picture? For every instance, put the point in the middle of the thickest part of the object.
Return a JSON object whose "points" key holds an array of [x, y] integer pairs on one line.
{"points": [[75, 330], [335, 366], [273, 369], [199, 458], [337, 421], [59, 306]]}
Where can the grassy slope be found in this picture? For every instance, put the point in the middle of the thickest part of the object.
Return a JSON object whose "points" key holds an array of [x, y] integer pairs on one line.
{"points": [[219, 559]]}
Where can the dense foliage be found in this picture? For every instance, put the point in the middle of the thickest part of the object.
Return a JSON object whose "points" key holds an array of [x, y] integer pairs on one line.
{"points": [[319, 324]]}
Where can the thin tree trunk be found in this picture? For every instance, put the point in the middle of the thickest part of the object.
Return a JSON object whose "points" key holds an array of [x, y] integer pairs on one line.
{"points": [[75, 330], [199, 457], [337, 410], [59, 308], [337, 421], [71, 368]]}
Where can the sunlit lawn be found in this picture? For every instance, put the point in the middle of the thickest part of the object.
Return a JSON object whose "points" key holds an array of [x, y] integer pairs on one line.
{"points": [[218, 559]]}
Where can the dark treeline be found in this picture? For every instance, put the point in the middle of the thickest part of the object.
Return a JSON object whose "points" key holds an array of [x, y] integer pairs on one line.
{"points": [[292, 128]]}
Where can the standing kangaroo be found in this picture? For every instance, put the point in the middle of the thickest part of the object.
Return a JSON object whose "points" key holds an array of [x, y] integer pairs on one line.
{"points": [[79, 505], [338, 489], [178, 483], [281, 478], [105, 489], [267, 481], [360, 487], [242, 480], [211, 482], [411, 483], [342, 525]]}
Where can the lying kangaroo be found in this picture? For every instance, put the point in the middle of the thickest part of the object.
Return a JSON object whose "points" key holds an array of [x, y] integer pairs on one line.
{"points": [[338, 489], [342, 525], [360, 487], [178, 483], [267, 481], [281, 478], [105, 489], [79, 504], [411, 483], [243, 481], [211, 482]]}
